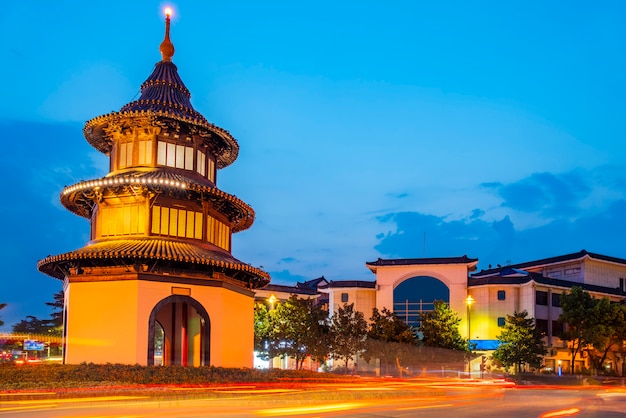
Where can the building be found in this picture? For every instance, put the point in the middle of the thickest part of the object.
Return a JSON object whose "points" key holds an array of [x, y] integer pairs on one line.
{"points": [[536, 287], [157, 283], [483, 299]]}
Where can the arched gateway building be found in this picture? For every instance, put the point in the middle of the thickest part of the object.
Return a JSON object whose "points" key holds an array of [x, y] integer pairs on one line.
{"points": [[157, 283]]}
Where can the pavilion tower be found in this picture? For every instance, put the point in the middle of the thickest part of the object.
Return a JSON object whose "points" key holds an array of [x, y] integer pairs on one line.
{"points": [[157, 282]]}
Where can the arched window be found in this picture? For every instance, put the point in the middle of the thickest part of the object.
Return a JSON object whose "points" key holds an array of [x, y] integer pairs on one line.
{"points": [[416, 295]]}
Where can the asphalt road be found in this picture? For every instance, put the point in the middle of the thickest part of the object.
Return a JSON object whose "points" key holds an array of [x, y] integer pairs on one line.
{"points": [[373, 398]]}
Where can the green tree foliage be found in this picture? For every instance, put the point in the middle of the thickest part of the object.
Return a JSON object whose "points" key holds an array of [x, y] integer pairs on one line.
{"points": [[609, 331], [295, 328], [577, 314], [348, 332], [387, 339], [262, 329], [2, 306], [440, 328], [51, 326], [56, 317], [520, 342], [32, 325]]}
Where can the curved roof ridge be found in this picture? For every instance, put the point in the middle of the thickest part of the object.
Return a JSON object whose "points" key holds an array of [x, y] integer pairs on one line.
{"points": [[164, 90]]}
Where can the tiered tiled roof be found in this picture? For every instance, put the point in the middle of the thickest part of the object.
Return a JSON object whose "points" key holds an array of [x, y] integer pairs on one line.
{"points": [[77, 197], [131, 251]]}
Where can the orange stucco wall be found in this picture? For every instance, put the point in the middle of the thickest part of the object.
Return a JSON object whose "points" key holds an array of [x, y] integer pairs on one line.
{"points": [[107, 321]]}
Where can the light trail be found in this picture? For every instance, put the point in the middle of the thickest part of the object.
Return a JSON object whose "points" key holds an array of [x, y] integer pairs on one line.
{"points": [[310, 409], [561, 413]]}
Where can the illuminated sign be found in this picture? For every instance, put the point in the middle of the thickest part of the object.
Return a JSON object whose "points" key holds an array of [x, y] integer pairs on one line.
{"points": [[32, 345]]}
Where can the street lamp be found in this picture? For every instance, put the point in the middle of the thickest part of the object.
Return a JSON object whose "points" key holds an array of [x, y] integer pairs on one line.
{"points": [[272, 300], [469, 301]]}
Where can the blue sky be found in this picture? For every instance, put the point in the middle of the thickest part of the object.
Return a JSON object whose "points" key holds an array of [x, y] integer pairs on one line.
{"points": [[367, 129]]}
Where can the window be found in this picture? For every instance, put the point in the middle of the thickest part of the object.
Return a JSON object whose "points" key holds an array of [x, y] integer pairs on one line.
{"points": [[501, 321], [218, 233], [557, 328], [501, 295], [145, 153], [344, 297], [574, 270], [542, 326], [556, 300], [201, 166], [125, 154], [129, 219], [211, 173], [541, 298], [176, 222], [174, 155]]}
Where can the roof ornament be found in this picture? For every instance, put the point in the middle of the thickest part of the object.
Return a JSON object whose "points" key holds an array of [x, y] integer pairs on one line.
{"points": [[166, 47]]}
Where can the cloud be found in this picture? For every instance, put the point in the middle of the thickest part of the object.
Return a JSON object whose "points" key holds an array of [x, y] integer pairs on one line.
{"points": [[285, 277], [546, 194], [500, 242]]}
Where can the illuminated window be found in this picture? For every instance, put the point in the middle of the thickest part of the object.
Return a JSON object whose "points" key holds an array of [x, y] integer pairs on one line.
{"points": [[211, 173], [218, 233], [125, 153], [176, 222], [128, 219], [501, 295], [501, 321], [174, 155], [201, 166], [145, 153]]}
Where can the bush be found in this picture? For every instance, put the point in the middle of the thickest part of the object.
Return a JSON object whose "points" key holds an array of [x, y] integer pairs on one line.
{"points": [[42, 376]]}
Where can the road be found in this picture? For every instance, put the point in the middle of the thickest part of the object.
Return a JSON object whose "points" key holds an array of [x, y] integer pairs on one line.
{"points": [[372, 398]]}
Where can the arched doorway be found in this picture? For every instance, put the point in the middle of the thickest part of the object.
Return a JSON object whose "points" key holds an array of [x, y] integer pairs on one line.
{"points": [[179, 333], [416, 295]]}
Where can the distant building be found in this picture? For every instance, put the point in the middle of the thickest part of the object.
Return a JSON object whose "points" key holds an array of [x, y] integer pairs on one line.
{"points": [[409, 287]]}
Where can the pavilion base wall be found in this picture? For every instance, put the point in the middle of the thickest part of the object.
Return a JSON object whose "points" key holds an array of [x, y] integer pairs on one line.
{"points": [[107, 318]]}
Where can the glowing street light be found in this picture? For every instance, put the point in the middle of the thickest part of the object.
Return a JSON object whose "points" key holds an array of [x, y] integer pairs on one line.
{"points": [[272, 300], [469, 301]]}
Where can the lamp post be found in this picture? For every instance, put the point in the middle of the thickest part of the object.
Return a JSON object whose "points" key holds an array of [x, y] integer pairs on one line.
{"points": [[272, 300], [469, 301]]}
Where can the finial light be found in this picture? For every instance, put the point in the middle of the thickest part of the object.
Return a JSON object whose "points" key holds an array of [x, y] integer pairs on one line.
{"points": [[167, 48]]}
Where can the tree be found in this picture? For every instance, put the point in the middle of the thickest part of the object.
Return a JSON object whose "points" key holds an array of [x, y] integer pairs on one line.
{"points": [[295, 328], [56, 317], [577, 313], [2, 306], [51, 326], [608, 332], [440, 328], [261, 330], [387, 338], [32, 325], [520, 342], [348, 332]]}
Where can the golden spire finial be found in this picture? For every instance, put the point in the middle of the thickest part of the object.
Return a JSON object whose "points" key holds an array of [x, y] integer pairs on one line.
{"points": [[167, 48]]}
